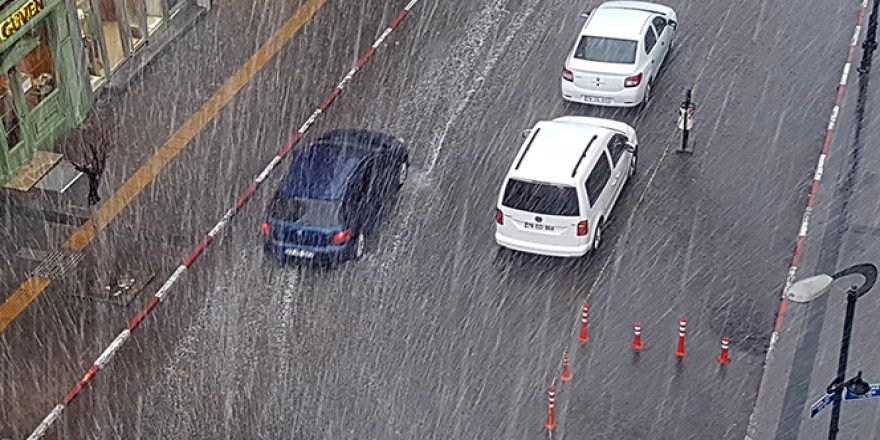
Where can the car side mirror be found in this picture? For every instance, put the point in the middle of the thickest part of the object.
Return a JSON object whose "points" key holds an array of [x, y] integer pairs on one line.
{"points": [[630, 147], [672, 23], [586, 14], [526, 133]]}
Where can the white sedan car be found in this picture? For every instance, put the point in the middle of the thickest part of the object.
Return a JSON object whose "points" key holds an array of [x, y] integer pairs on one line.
{"points": [[619, 53]]}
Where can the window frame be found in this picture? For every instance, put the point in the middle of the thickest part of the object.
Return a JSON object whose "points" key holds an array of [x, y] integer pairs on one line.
{"points": [[590, 199], [514, 188], [15, 109], [50, 42], [653, 44], [617, 138], [663, 23], [358, 194], [580, 47]]}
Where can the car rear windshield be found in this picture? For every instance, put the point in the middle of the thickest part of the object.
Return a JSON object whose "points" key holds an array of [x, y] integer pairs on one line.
{"points": [[606, 50], [306, 211], [541, 198]]}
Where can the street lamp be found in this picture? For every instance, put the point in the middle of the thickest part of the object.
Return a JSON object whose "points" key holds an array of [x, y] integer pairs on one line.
{"points": [[813, 287]]}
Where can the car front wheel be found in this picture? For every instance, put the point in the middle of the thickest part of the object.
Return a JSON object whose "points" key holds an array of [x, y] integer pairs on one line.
{"points": [[632, 164]]}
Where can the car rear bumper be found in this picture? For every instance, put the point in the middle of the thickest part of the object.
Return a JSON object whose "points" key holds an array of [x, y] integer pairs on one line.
{"points": [[628, 97], [541, 249], [286, 252]]}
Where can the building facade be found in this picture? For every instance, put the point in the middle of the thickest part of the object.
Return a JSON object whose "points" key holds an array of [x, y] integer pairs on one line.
{"points": [[56, 56], [40, 94]]}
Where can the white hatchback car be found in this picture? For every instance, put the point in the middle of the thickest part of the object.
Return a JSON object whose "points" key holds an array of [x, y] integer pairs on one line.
{"points": [[563, 184], [619, 53]]}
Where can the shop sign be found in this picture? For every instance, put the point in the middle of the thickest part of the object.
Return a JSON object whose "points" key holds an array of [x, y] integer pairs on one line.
{"points": [[10, 25]]}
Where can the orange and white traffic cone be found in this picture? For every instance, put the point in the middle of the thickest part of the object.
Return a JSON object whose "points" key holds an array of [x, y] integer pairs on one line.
{"points": [[551, 415], [585, 310], [637, 344], [566, 371], [725, 351], [679, 351]]}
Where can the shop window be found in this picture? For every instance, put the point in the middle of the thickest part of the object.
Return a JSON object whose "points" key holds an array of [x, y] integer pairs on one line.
{"points": [[110, 19], [11, 123], [155, 15], [135, 15], [91, 36], [37, 69]]}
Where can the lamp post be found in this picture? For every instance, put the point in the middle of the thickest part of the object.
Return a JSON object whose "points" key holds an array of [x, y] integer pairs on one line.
{"points": [[813, 287]]}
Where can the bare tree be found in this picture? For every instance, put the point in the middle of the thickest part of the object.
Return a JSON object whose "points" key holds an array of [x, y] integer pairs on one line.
{"points": [[93, 145]]}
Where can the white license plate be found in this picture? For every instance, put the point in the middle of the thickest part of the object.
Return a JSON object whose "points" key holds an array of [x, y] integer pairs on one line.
{"points": [[537, 227], [299, 253], [597, 99]]}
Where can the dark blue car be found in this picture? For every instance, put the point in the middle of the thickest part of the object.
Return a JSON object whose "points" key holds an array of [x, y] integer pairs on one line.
{"points": [[334, 194]]}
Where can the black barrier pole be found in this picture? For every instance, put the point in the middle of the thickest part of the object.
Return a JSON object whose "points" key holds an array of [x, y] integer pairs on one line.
{"points": [[684, 134], [870, 43], [869, 272], [686, 108], [837, 386]]}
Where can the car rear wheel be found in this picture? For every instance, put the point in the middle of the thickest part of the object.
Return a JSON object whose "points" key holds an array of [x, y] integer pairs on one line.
{"points": [[597, 237], [648, 90], [359, 247], [402, 173]]}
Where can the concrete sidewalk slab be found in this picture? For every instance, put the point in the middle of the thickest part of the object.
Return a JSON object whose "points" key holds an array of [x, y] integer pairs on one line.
{"points": [[845, 231]]}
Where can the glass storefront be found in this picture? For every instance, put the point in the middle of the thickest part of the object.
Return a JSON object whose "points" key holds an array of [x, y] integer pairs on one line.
{"points": [[48, 80], [11, 122], [113, 30], [36, 70], [40, 88], [92, 43], [155, 15], [135, 12]]}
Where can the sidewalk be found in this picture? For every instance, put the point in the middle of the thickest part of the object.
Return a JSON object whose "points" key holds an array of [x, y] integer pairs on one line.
{"points": [[845, 231], [137, 120], [36, 222], [57, 337]]}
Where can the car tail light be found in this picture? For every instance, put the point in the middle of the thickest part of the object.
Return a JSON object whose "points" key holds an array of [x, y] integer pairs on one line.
{"points": [[633, 81], [567, 75], [341, 237], [266, 229], [583, 228], [499, 216]]}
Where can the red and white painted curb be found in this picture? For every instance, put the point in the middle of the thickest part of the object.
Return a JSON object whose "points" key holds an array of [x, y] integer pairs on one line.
{"points": [[105, 357], [808, 212]]}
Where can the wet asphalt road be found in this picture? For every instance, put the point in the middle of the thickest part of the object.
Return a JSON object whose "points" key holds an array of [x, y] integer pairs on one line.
{"points": [[437, 334]]}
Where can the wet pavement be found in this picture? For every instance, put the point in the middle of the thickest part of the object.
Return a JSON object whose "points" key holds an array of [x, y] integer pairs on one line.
{"points": [[437, 333], [845, 232]]}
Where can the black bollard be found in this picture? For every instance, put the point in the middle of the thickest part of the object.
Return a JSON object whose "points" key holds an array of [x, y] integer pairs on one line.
{"points": [[686, 109]]}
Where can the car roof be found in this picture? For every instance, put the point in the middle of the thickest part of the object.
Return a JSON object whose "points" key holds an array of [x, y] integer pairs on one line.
{"points": [[553, 151], [617, 22], [322, 171]]}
